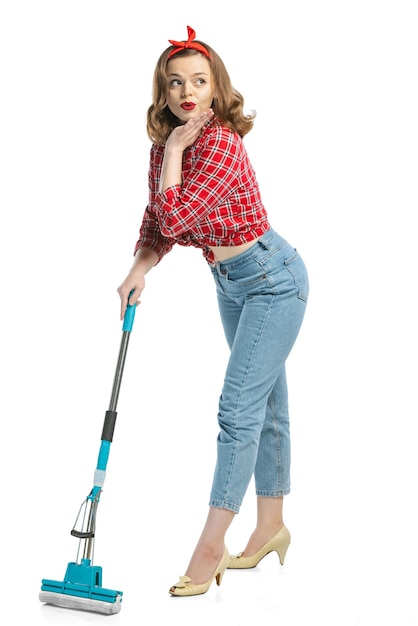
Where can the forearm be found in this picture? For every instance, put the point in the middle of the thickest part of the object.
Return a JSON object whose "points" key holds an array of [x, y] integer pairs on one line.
{"points": [[133, 285], [144, 261], [181, 137], [171, 168]]}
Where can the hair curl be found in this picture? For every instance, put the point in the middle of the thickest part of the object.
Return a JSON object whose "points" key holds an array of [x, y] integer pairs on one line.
{"points": [[228, 106]]}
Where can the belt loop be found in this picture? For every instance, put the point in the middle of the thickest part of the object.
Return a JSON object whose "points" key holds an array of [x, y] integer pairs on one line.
{"points": [[262, 243]]}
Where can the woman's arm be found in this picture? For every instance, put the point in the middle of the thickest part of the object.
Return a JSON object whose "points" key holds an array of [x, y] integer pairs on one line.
{"points": [[145, 259], [180, 138], [214, 176]]}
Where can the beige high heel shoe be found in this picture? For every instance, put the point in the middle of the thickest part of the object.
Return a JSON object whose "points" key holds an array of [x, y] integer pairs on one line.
{"points": [[279, 543], [185, 588]]}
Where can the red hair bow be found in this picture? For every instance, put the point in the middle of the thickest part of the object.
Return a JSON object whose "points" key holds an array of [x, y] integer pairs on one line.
{"points": [[181, 45]]}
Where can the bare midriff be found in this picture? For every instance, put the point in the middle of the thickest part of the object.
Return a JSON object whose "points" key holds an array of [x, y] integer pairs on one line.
{"points": [[222, 253]]}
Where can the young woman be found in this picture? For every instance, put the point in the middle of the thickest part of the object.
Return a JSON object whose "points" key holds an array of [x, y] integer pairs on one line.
{"points": [[203, 192]]}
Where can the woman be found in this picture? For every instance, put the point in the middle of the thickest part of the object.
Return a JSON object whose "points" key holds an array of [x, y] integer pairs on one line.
{"points": [[203, 192]]}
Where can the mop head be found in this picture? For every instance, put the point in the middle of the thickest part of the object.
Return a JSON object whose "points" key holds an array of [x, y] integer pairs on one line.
{"points": [[81, 604], [82, 590]]}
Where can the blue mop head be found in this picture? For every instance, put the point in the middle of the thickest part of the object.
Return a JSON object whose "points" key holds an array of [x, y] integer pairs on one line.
{"points": [[81, 589]]}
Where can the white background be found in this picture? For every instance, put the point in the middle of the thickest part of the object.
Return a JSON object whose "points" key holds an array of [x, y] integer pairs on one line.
{"points": [[334, 84]]}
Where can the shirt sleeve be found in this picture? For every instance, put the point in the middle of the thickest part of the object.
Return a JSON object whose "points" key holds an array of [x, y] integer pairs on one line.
{"points": [[150, 235], [213, 177]]}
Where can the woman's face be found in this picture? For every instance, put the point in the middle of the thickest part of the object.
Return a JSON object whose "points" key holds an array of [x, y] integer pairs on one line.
{"points": [[190, 86]]}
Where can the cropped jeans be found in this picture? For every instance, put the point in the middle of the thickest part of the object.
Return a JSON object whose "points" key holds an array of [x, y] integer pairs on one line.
{"points": [[262, 295]]}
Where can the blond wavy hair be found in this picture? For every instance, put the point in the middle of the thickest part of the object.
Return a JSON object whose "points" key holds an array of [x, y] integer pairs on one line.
{"points": [[228, 105]]}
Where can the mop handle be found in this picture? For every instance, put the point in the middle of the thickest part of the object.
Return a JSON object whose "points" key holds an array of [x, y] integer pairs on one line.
{"points": [[110, 420], [128, 320], [111, 413]]}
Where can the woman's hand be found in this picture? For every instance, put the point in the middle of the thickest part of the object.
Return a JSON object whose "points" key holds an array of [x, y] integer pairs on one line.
{"points": [[180, 138], [185, 135], [135, 283], [145, 259]]}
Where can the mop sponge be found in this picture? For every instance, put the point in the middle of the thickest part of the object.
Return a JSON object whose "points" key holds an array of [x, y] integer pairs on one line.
{"points": [[82, 604]]}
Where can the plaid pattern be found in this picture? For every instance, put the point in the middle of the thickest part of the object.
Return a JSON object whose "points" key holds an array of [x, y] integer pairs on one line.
{"points": [[218, 203]]}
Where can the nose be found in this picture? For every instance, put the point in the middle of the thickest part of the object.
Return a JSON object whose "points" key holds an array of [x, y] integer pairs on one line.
{"points": [[187, 89]]}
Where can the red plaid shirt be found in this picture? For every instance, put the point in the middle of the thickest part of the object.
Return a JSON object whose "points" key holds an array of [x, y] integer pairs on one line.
{"points": [[217, 204]]}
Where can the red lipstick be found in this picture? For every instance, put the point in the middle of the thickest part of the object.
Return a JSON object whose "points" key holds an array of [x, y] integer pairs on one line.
{"points": [[188, 106]]}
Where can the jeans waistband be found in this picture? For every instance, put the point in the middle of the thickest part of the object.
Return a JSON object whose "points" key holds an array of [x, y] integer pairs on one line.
{"points": [[270, 240]]}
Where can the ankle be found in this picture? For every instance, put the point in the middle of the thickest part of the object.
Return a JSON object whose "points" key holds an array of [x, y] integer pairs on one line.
{"points": [[268, 528], [209, 550], [204, 561]]}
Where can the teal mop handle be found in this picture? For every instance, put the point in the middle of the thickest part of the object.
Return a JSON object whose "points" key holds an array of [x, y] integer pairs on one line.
{"points": [[89, 507], [111, 413], [128, 320]]}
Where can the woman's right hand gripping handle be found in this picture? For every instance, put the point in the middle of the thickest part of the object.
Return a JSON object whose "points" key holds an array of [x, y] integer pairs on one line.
{"points": [[131, 288], [134, 283]]}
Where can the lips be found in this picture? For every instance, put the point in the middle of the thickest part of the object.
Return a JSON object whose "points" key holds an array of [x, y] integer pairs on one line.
{"points": [[188, 106]]}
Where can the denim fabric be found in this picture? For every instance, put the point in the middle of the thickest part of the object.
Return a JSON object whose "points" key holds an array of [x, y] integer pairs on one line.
{"points": [[262, 295]]}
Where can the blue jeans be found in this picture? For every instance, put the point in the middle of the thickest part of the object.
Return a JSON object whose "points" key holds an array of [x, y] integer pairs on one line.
{"points": [[262, 295]]}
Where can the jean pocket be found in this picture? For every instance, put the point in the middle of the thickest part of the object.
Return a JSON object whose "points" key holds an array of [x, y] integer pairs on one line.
{"points": [[295, 265], [248, 278]]}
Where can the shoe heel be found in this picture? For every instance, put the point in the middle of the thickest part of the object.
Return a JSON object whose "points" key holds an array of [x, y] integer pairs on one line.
{"points": [[281, 550], [282, 553], [219, 577]]}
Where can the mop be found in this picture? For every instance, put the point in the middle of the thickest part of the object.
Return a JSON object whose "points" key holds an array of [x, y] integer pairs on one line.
{"points": [[82, 585]]}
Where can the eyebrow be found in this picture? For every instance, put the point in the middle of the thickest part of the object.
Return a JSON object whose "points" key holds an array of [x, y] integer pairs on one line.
{"points": [[195, 74]]}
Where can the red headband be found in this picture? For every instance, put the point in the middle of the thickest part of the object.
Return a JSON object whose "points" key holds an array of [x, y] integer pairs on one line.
{"points": [[182, 45]]}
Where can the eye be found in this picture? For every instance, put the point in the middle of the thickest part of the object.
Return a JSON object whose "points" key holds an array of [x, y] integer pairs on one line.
{"points": [[200, 81], [175, 82]]}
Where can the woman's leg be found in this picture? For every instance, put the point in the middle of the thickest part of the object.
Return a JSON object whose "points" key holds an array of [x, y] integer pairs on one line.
{"points": [[253, 430], [210, 547], [272, 470], [257, 368], [269, 522]]}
